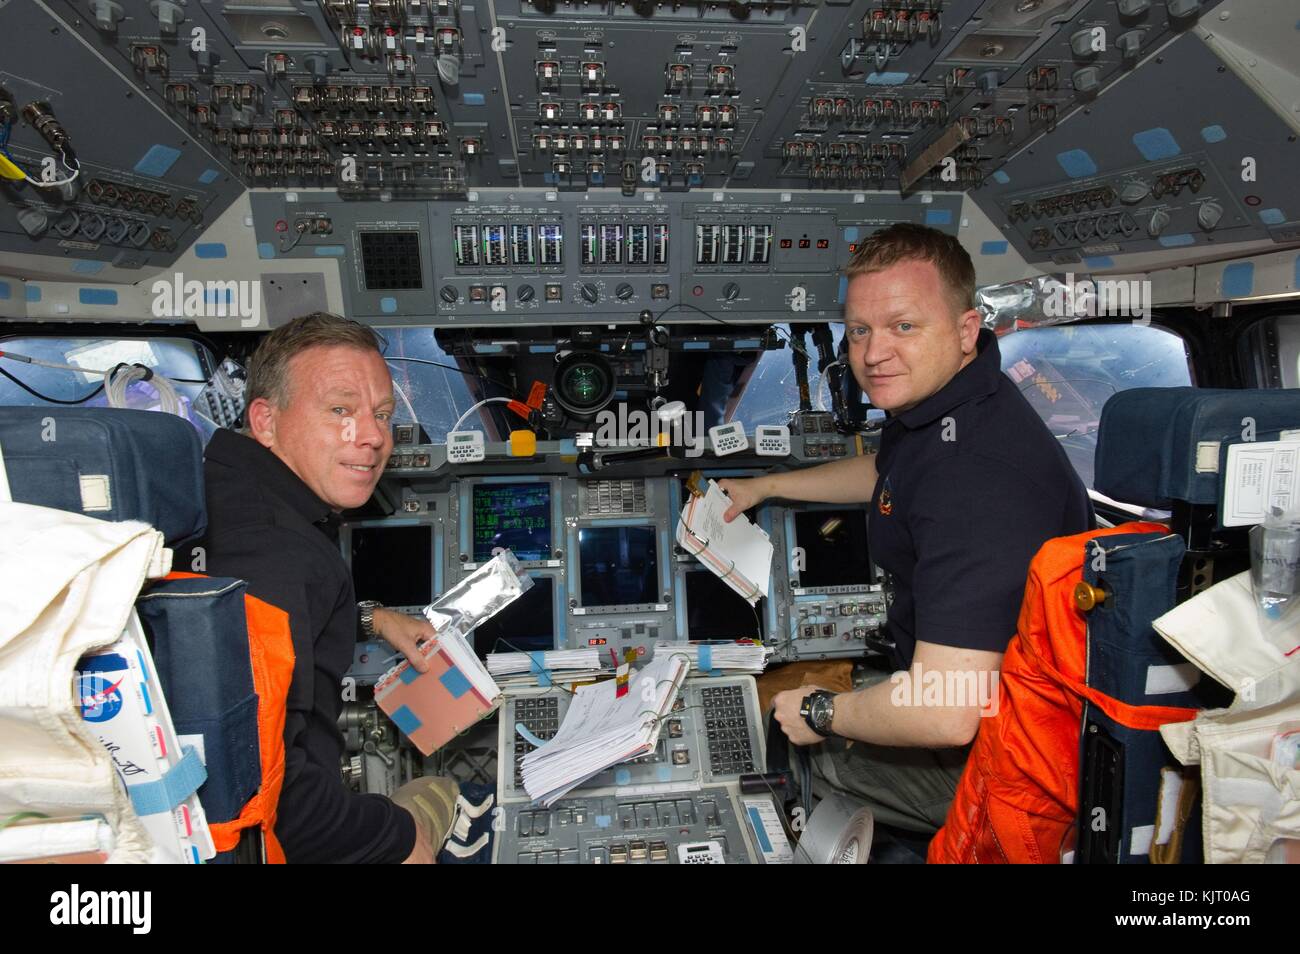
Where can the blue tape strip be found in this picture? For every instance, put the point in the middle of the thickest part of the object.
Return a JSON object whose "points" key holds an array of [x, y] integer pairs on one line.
{"points": [[938, 216], [695, 346], [528, 736], [97, 296], [180, 782], [843, 291], [1099, 261], [537, 666], [1177, 241], [1157, 143], [887, 79], [1296, 277], [331, 251], [706, 658], [157, 161], [4, 291], [994, 248], [472, 99], [85, 266], [1239, 279]]}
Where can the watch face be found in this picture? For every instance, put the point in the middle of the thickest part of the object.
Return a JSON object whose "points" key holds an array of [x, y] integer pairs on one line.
{"points": [[823, 712]]}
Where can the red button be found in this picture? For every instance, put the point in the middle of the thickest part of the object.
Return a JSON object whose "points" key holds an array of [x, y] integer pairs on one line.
{"points": [[697, 291]]}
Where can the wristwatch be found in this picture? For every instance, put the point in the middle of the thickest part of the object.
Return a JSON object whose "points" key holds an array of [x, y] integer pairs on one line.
{"points": [[367, 608], [818, 710]]}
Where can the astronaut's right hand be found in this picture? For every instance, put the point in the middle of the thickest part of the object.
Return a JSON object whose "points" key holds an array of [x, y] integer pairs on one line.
{"points": [[744, 493]]}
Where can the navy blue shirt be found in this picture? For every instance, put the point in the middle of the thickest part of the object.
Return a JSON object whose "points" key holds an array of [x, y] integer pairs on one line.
{"points": [[971, 484]]}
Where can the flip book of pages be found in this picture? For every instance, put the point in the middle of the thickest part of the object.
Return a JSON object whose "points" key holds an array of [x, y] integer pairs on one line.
{"points": [[739, 553], [602, 728], [434, 707]]}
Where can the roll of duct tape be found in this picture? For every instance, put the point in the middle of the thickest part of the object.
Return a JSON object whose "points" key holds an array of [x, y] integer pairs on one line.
{"points": [[838, 833]]}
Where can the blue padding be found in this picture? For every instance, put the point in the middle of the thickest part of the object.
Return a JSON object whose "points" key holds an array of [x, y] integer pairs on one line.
{"points": [[86, 266], [472, 99], [388, 305], [157, 161], [1001, 178], [1099, 261], [1157, 143], [528, 736], [1272, 216], [409, 675], [938, 216], [887, 79], [210, 250], [97, 296], [331, 251], [208, 176], [1215, 133], [1238, 279], [994, 248], [33, 292], [756, 826], [1077, 163], [851, 233], [405, 720], [455, 682], [265, 250], [181, 781], [4, 291], [1178, 241]]}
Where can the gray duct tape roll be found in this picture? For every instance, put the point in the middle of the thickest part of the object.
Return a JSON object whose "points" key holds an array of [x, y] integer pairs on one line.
{"points": [[838, 833]]}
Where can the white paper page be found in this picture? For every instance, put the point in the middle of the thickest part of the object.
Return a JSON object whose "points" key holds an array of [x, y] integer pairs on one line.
{"points": [[740, 543], [1259, 475]]}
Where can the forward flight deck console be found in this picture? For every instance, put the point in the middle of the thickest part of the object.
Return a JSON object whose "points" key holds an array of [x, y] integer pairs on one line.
{"points": [[681, 804], [601, 552]]}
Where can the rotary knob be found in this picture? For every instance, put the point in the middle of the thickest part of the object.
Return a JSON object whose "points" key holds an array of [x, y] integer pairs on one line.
{"points": [[449, 294], [623, 292], [527, 293], [590, 293]]}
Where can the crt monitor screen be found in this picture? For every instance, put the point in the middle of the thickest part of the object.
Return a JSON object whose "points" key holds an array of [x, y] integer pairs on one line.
{"points": [[618, 565], [393, 565], [527, 625], [716, 611], [834, 548], [514, 517]]}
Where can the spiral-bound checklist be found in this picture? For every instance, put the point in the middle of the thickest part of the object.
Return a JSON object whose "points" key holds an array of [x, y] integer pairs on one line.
{"points": [[739, 553]]}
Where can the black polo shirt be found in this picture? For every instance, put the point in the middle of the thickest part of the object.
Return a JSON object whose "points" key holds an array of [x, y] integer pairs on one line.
{"points": [[267, 527], [971, 484]]}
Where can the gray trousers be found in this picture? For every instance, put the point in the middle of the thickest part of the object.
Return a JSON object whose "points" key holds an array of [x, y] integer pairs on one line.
{"points": [[906, 788]]}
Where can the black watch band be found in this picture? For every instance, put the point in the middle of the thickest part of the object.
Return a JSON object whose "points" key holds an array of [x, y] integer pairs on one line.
{"points": [[818, 710]]}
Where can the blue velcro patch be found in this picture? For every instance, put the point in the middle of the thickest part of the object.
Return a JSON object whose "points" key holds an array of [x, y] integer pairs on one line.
{"points": [[695, 346], [1272, 216], [455, 682], [1215, 133], [209, 176], [210, 250], [664, 773], [1099, 261], [622, 776], [1001, 178], [844, 289], [994, 248], [603, 821], [405, 720], [851, 233], [157, 161], [1177, 241], [472, 99], [97, 296], [1076, 163], [331, 251], [1296, 279], [409, 675], [4, 291], [1238, 279], [33, 292], [388, 305], [1158, 143], [86, 266], [897, 78], [938, 216], [541, 349], [265, 250]]}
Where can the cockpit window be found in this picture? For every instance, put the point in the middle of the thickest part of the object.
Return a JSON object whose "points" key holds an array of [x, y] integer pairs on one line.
{"points": [[422, 371], [1067, 372], [80, 379], [772, 393]]}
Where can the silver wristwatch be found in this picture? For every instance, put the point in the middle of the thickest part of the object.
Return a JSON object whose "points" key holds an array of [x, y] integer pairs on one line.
{"points": [[818, 710], [367, 609]]}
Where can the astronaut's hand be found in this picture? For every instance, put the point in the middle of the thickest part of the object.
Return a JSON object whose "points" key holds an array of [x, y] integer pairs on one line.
{"points": [[404, 633], [786, 710], [744, 493]]}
